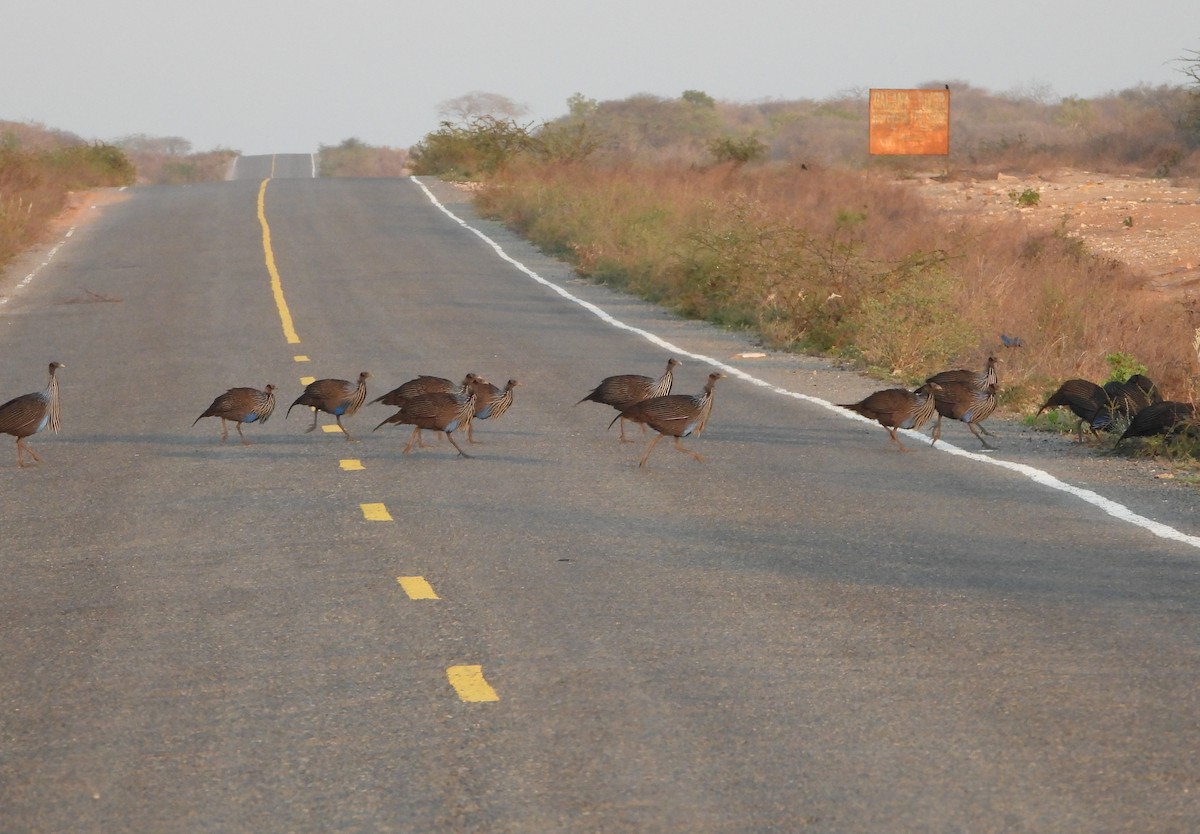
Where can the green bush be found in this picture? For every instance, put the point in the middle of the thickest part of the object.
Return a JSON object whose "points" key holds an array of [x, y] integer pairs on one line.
{"points": [[1027, 198], [1122, 366], [483, 147], [728, 149], [909, 328]]}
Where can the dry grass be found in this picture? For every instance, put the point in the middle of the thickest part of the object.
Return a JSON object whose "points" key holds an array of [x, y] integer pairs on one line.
{"points": [[849, 263]]}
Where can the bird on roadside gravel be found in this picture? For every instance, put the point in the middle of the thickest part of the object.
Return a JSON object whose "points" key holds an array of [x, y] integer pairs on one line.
{"points": [[338, 397], [623, 390], [1125, 399], [677, 415], [439, 411], [1086, 399], [241, 405], [29, 414], [1165, 417], [898, 408]]}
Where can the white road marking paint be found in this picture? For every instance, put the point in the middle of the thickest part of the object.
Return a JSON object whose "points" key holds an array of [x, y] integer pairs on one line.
{"points": [[28, 279], [1118, 511]]}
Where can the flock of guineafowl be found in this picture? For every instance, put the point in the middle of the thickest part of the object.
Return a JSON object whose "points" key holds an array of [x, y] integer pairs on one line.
{"points": [[426, 402], [438, 404]]}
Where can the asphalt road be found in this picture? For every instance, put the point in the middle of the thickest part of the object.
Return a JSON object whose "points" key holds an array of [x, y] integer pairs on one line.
{"points": [[807, 632]]}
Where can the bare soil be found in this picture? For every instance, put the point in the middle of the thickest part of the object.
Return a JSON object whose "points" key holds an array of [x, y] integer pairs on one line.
{"points": [[1152, 225]]}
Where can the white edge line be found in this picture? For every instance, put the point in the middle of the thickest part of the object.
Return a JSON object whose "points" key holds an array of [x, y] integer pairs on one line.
{"points": [[1114, 509], [28, 279]]}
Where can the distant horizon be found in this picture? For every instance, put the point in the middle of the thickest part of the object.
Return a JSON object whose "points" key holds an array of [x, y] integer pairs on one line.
{"points": [[298, 74], [1033, 92]]}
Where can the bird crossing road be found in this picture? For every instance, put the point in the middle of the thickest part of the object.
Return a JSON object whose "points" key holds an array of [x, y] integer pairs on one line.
{"points": [[806, 631]]}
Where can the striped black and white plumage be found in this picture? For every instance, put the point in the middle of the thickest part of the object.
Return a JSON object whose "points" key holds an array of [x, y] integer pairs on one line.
{"points": [[491, 403], [898, 408], [338, 397], [423, 384], [29, 414], [623, 390], [968, 396], [677, 415], [1166, 417], [241, 405], [438, 411], [966, 403]]}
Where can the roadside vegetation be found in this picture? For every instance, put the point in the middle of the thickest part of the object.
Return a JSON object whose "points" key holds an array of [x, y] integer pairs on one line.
{"points": [[354, 158], [38, 170], [772, 218], [41, 166]]}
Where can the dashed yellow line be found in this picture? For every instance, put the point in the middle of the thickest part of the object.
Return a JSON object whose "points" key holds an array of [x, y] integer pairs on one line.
{"points": [[351, 465], [331, 428], [417, 587], [285, 315], [307, 380], [468, 682], [375, 512], [300, 358]]}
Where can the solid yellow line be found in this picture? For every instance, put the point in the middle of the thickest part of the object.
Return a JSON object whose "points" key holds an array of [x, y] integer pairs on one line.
{"points": [[468, 682], [417, 587], [352, 465], [375, 512], [285, 316]]}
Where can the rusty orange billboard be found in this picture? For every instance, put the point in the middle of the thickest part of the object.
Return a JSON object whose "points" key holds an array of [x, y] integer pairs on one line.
{"points": [[915, 122]]}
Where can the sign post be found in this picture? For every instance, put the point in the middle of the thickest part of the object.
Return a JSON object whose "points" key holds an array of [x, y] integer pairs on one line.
{"points": [[910, 122]]}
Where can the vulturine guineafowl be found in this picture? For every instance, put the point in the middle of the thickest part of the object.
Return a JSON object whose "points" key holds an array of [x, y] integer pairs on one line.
{"points": [[438, 411], [491, 403], [1166, 417], [423, 384], [1125, 399], [965, 403], [968, 396], [29, 414], [338, 397], [677, 415], [898, 408], [980, 379], [623, 390], [241, 405], [1086, 400]]}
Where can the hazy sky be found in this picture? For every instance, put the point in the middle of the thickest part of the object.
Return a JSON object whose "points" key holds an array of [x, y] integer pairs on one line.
{"points": [[266, 76]]}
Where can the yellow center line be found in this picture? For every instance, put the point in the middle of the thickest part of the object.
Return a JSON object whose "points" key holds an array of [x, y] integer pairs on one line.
{"points": [[331, 428], [468, 682], [352, 465], [376, 512], [307, 380], [285, 316], [417, 587], [300, 358]]}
